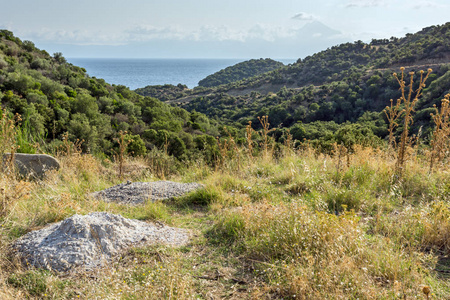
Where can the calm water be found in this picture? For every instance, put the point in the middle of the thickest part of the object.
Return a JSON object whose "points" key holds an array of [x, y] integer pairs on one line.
{"points": [[137, 73]]}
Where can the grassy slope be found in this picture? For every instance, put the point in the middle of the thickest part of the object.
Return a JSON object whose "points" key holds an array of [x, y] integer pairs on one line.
{"points": [[264, 228]]}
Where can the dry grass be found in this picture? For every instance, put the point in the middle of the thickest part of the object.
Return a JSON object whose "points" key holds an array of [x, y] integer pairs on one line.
{"points": [[281, 228], [301, 225]]}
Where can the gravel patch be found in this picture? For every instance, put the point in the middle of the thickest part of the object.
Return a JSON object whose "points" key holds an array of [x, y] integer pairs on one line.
{"points": [[139, 192], [91, 241]]}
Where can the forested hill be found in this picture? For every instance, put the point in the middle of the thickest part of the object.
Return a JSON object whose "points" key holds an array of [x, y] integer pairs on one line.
{"points": [[350, 82], [55, 97], [243, 70]]}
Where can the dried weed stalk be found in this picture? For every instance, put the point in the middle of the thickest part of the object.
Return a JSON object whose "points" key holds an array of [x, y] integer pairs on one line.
{"points": [[408, 100], [248, 134], [120, 155], [264, 120], [9, 126], [440, 140]]}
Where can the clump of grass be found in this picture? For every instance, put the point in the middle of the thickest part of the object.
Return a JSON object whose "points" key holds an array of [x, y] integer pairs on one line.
{"points": [[33, 282], [426, 227], [203, 197], [163, 165], [154, 211], [313, 255], [68, 148], [436, 224], [339, 199]]}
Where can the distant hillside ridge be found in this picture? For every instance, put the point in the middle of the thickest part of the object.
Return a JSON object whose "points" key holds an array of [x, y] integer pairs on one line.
{"points": [[430, 46], [243, 70], [351, 82]]}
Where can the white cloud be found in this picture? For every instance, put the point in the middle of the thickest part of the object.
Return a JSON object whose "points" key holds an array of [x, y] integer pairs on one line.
{"points": [[426, 4], [217, 33], [76, 37], [269, 33], [147, 33], [365, 3], [302, 16]]}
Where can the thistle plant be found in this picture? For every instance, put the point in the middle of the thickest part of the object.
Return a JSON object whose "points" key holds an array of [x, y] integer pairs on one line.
{"points": [[408, 99], [288, 143], [392, 113], [228, 149], [69, 148], [123, 144], [248, 134], [9, 127], [441, 133], [264, 120]]}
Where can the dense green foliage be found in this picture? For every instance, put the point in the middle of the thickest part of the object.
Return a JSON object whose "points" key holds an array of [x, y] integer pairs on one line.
{"points": [[55, 97], [163, 92], [351, 82], [315, 97], [240, 71]]}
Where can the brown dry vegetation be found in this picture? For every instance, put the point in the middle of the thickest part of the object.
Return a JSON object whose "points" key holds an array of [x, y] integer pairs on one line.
{"points": [[265, 228]]}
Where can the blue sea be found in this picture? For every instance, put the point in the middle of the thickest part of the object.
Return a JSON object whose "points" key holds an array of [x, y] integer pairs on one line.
{"points": [[137, 73]]}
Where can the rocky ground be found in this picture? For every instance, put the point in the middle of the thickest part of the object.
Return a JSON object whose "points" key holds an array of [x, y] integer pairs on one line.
{"points": [[139, 192]]}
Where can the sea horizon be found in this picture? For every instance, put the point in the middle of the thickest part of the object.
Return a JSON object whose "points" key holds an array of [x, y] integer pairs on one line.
{"points": [[140, 72]]}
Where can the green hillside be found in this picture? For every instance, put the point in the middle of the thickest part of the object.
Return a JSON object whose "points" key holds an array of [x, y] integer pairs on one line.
{"points": [[314, 97], [351, 82], [243, 70], [54, 97]]}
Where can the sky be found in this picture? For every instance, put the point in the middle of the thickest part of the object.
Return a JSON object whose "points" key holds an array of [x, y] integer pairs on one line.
{"points": [[212, 28]]}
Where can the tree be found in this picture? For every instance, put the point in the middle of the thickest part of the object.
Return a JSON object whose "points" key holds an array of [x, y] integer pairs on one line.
{"points": [[58, 56]]}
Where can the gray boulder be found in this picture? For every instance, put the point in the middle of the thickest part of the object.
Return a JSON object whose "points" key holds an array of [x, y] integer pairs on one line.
{"points": [[33, 165]]}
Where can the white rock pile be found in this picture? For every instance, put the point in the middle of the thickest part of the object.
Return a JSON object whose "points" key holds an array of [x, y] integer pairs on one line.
{"points": [[139, 192], [91, 241]]}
